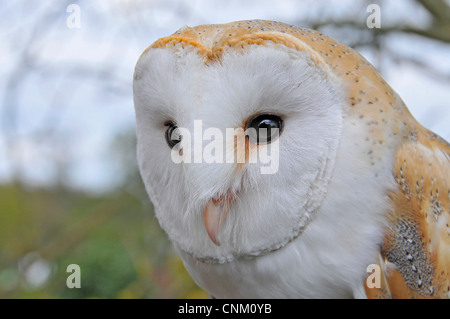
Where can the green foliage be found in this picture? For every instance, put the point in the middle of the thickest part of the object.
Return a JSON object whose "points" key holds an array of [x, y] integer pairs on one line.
{"points": [[115, 239]]}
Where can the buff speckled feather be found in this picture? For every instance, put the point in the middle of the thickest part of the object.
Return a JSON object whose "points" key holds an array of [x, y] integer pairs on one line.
{"points": [[380, 194]]}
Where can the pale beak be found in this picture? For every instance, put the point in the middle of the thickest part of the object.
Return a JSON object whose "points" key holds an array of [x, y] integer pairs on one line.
{"points": [[214, 215]]}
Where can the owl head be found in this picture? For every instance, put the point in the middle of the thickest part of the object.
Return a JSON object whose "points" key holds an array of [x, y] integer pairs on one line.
{"points": [[239, 127]]}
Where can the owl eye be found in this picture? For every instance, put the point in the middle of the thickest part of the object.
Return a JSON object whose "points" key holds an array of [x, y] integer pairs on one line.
{"points": [[173, 136], [264, 128]]}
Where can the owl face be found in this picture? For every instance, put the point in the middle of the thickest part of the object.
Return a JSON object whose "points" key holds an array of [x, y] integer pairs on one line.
{"points": [[222, 210]]}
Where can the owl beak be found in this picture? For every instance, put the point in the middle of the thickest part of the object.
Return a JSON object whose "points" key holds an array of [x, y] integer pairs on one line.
{"points": [[214, 215]]}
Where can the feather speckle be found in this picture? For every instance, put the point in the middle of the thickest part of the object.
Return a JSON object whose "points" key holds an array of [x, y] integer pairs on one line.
{"points": [[360, 182]]}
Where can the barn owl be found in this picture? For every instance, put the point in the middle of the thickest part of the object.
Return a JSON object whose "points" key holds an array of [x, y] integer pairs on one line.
{"points": [[358, 181]]}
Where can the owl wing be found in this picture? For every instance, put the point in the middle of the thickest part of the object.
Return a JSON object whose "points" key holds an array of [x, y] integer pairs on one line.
{"points": [[415, 256]]}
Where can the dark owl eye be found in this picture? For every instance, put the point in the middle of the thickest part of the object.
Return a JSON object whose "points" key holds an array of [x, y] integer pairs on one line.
{"points": [[264, 128], [173, 136]]}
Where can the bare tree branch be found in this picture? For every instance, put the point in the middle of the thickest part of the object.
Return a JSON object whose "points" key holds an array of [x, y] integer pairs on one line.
{"points": [[439, 9]]}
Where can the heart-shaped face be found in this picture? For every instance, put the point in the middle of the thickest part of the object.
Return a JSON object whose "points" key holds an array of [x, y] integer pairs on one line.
{"points": [[236, 151], [257, 137]]}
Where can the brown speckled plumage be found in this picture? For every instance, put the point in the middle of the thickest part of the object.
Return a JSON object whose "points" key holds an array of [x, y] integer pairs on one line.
{"points": [[415, 255]]}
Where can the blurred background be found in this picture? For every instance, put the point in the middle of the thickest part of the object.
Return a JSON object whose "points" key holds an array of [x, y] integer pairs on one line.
{"points": [[70, 192]]}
